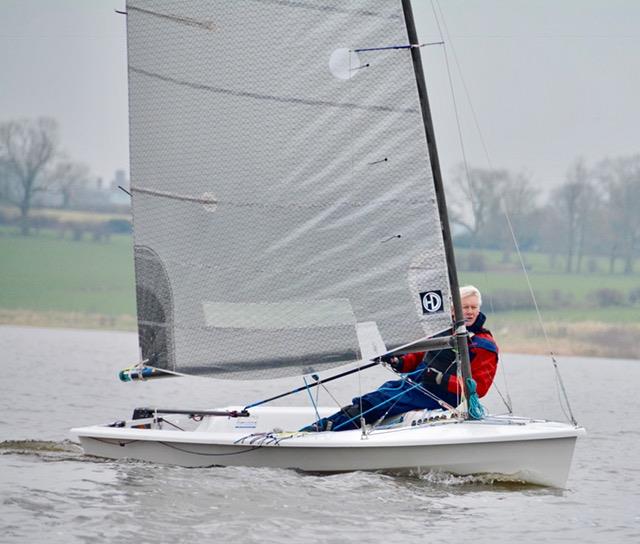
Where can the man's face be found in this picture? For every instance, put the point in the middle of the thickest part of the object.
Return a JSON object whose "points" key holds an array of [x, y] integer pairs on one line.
{"points": [[470, 309]]}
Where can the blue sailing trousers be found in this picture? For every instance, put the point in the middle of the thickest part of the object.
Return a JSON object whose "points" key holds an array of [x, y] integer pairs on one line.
{"points": [[391, 398]]}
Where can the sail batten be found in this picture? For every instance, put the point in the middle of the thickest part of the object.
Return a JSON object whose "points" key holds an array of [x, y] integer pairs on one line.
{"points": [[259, 96], [281, 189]]}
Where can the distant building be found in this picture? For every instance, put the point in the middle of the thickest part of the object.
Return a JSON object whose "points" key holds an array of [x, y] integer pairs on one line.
{"points": [[120, 179], [117, 196], [93, 194]]}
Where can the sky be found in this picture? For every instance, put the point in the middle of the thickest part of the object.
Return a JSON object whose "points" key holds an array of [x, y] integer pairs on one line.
{"points": [[547, 81]]}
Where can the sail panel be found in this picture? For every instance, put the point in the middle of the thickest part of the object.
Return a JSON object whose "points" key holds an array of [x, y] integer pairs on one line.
{"points": [[282, 190]]}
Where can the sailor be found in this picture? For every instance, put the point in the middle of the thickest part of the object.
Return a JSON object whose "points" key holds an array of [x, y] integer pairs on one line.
{"points": [[435, 371]]}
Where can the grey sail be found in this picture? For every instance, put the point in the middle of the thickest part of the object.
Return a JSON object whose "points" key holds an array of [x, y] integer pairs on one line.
{"points": [[281, 184]]}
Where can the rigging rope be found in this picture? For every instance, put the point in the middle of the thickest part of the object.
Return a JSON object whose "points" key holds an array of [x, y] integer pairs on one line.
{"points": [[568, 412], [419, 387], [559, 382], [352, 175], [362, 414], [506, 401], [315, 406]]}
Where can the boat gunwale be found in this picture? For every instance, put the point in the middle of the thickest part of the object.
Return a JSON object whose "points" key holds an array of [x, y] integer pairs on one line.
{"points": [[383, 438]]}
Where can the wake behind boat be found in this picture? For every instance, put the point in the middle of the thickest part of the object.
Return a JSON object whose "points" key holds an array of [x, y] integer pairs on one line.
{"points": [[290, 218]]}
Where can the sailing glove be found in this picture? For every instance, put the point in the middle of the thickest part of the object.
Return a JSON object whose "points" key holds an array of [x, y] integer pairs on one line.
{"points": [[394, 361], [434, 377]]}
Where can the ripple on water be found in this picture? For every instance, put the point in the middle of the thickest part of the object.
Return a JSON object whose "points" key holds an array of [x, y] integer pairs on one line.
{"points": [[49, 490]]}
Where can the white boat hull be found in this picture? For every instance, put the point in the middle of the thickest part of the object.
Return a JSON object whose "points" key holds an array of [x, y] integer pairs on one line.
{"points": [[509, 448]]}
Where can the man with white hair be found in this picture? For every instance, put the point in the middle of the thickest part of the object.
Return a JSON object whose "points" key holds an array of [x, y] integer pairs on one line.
{"points": [[435, 371]]}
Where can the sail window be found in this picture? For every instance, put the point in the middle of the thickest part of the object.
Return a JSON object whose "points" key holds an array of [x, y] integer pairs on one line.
{"points": [[279, 315]]}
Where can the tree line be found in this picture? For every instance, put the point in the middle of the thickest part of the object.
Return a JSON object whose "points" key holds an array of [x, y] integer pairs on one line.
{"points": [[595, 211], [32, 162]]}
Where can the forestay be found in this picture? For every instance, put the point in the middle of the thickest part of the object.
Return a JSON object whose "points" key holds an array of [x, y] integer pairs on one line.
{"points": [[281, 185]]}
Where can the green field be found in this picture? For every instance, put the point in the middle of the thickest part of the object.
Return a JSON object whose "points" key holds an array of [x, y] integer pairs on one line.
{"points": [[47, 280], [595, 295], [45, 273], [536, 263]]}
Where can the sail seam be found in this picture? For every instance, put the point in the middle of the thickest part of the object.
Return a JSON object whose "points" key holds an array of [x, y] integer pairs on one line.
{"points": [[268, 97]]}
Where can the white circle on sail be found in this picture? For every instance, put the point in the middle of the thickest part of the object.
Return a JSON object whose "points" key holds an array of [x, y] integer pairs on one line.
{"points": [[344, 63]]}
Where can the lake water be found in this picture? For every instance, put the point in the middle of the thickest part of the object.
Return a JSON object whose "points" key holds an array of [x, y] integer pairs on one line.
{"points": [[53, 380]]}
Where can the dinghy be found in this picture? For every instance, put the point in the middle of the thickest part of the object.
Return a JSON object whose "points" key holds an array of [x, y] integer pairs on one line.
{"points": [[290, 219]]}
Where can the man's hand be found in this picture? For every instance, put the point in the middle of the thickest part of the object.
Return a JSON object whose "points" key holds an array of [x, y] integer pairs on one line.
{"points": [[394, 361], [432, 376]]}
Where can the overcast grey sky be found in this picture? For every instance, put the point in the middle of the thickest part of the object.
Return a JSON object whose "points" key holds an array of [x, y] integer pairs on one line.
{"points": [[549, 80]]}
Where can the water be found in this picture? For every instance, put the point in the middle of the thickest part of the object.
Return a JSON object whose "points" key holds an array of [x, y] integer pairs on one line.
{"points": [[56, 379]]}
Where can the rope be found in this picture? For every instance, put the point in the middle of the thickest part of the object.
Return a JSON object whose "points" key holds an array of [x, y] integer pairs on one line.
{"points": [[335, 400], [433, 396], [352, 176], [414, 385], [420, 388], [361, 414], [567, 412], [317, 379], [383, 416], [465, 162], [476, 410], [315, 407], [184, 450]]}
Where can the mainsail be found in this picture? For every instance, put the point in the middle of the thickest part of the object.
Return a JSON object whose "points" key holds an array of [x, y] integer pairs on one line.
{"points": [[281, 184]]}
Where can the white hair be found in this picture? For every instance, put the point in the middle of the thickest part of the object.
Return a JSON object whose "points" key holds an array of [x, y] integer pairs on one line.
{"points": [[470, 290]]}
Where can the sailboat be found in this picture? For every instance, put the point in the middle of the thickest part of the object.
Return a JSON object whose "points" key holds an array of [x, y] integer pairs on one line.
{"points": [[290, 219]]}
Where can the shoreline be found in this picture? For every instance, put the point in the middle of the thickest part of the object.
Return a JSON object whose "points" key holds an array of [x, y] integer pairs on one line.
{"points": [[67, 320], [585, 339]]}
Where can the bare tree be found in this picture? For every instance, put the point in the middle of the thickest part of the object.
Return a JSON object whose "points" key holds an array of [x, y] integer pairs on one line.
{"points": [[67, 177], [4, 182], [621, 180], [476, 198], [27, 151], [576, 201], [487, 200], [517, 207]]}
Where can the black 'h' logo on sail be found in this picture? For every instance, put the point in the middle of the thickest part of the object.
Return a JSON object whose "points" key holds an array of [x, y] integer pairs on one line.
{"points": [[431, 302]]}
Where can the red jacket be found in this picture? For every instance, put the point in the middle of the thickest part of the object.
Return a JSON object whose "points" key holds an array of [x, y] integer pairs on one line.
{"points": [[483, 353]]}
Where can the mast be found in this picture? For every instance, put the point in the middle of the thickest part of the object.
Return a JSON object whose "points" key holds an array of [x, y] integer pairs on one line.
{"points": [[460, 329]]}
